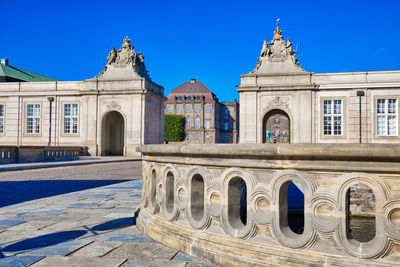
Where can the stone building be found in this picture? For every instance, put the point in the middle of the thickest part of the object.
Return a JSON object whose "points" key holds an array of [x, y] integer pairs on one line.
{"points": [[110, 114], [207, 119], [280, 102]]}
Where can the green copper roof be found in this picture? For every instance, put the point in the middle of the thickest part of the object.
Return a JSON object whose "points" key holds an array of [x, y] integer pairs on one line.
{"points": [[9, 71]]}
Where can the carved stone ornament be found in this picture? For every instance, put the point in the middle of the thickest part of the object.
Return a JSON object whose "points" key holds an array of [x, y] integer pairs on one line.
{"points": [[124, 62], [277, 51], [113, 106], [278, 102]]}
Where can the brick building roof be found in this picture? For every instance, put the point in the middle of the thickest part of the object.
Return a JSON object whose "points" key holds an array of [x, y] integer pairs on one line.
{"points": [[193, 89]]}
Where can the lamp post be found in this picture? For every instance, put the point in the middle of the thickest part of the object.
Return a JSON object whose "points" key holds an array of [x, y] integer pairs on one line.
{"points": [[51, 99], [360, 94]]}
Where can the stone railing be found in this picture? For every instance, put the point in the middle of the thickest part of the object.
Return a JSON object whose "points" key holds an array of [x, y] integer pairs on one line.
{"points": [[22, 154], [231, 204]]}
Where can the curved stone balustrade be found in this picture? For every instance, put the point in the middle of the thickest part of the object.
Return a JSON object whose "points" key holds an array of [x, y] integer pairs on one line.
{"points": [[194, 201]]}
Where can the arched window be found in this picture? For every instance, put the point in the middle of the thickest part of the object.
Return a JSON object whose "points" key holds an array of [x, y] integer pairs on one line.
{"points": [[197, 123], [188, 123]]}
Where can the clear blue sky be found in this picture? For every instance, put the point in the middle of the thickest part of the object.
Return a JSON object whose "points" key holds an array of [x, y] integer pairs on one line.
{"points": [[212, 41]]}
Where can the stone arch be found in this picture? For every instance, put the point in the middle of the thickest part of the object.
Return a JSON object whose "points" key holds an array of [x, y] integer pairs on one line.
{"points": [[113, 134], [278, 124]]}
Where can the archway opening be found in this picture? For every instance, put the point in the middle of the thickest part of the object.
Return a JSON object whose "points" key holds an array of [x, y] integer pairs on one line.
{"points": [[237, 203], [291, 207], [197, 197], [360, 210], [276, 127], [112, 134]]}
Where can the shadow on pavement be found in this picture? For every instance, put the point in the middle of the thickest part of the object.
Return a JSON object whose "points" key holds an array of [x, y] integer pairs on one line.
{"points": [[115, 224], [44, 241], [14, 192]]}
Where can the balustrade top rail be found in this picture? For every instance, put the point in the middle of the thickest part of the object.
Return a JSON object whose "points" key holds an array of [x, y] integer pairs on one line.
{"points": [[342, 157]]}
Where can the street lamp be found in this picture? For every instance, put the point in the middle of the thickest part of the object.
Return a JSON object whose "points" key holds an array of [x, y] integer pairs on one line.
{"points": [[51, 99], [360, 94]]}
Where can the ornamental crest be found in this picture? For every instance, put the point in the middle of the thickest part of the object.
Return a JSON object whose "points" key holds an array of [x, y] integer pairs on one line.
{"points": [[126, 57], [278, 102], [277, 51], [113, 106]]}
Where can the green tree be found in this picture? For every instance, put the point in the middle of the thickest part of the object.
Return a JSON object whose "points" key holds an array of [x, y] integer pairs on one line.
{"points": [[174, 128]]}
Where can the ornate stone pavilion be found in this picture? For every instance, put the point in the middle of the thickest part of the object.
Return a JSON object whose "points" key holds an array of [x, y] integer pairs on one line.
{"points": [[110, 114], [280, 102]]}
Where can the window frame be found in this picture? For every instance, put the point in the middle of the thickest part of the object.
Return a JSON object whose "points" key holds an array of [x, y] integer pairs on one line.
{"points": [[385, 114], [33, 133], [197, 123], [3, 128], [332, 115], [71, 133]]}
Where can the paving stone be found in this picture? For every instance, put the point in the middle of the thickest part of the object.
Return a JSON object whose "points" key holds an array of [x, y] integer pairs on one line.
{"points": [[8, 223], [79, 262], [183, 257], [97, 249], [19, 261], [61, 249], [142, 251], [135, 238], [32, 225]]}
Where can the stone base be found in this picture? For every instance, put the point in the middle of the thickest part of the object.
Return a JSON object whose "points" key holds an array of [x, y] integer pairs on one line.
{"points": [[227, 251]]}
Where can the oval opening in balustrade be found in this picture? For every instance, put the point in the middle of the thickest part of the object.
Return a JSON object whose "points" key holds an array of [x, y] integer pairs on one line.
{"points": [[237, 202], [169, 192], [197, 197], [360, 213], [291, 207], [153, 188]]}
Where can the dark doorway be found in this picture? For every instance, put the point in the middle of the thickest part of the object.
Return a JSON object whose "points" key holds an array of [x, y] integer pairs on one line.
{"points": [[112, 134], [276, 127]]}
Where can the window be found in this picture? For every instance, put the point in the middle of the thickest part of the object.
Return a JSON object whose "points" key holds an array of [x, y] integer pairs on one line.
{"points": [[196, 138], [226, 126], [187, 122], [187, 108], [207, 137], [226, 114], [188, 137], [180, 98], [188, 98], [207, 124], [1, 119], [386, 117], [33, 119], [197, 123], [207, 108], [169, 108], [207, 115], [179, 108], [70, 118], [333, 117], [197, 108]]}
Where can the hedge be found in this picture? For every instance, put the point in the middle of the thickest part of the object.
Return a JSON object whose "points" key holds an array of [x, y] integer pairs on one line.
{"points": [[174, 128]]}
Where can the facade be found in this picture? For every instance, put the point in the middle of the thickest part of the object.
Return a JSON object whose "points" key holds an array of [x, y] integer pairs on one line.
{"points": [[207, 120], [110, 114], [282, 103]]}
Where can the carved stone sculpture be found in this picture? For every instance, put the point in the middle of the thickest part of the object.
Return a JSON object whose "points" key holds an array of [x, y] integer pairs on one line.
{"points": [[277, 56], [124, 64]]}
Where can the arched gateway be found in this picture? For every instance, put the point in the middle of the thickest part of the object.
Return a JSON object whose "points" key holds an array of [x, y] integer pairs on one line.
{"points": [[276, 127], [112, 141]]}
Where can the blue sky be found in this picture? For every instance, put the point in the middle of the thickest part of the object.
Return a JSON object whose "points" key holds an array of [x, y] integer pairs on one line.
{"points": [[212, 41]]}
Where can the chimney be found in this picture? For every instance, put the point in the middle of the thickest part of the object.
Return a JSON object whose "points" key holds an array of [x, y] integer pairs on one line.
{"points": [[192, 80], [4, 61]]}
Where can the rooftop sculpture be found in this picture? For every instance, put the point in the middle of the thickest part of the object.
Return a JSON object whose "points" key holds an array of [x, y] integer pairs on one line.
{"points": [[124, 64], [277, 55]]}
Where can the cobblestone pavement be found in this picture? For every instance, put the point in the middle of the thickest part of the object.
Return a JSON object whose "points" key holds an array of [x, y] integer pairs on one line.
{"points": [[92, 227]]}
